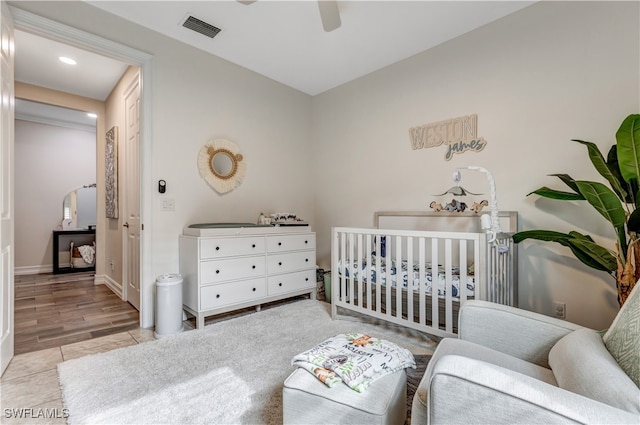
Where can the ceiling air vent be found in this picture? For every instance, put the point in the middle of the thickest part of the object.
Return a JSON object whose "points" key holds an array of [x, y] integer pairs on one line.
{"points": [[202, 27]]}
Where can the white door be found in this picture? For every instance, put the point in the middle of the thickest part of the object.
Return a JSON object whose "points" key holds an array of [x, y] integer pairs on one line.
{"points": [[131, 249], [6, 186]]}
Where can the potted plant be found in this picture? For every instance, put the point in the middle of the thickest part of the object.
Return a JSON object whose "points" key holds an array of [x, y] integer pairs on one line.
{"points": [[617, 202]]}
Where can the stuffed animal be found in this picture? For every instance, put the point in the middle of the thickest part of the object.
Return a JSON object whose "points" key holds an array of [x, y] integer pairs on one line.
{"points": [[477, 207], [455, 206], [435, 206]]}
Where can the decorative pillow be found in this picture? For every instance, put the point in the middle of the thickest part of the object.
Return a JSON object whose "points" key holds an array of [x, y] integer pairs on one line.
{"points": [[582, 364], [623, 337]]}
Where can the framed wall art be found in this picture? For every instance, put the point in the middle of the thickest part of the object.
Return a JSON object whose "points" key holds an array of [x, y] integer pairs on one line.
{"points": [[111, 173]]}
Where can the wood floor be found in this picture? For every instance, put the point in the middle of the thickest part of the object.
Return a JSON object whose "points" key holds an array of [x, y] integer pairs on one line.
{"points": [[54, 310]]}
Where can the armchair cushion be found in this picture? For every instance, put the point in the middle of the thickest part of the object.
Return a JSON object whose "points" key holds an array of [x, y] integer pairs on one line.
{"points": [[623, 337], [581, 364], [520, 333], [469, 391], [508, 364]]}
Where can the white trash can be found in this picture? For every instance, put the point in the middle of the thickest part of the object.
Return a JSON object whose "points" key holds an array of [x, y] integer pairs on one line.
{"points": [[168, 305]]}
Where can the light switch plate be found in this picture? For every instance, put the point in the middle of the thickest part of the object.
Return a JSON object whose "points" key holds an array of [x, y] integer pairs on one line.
{"points": [[168, 204]]}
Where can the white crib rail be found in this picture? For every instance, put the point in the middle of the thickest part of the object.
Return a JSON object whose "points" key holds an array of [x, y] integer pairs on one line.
{"points": [[501, 271], [418, 309]]}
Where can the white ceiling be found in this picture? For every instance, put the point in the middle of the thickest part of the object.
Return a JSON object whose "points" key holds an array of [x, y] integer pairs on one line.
{"points": [[282, 40], [36, 62], [54, 115]]}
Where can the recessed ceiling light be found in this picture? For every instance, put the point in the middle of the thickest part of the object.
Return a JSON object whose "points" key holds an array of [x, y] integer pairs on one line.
{"points": [[67, 60], [92, 115]]}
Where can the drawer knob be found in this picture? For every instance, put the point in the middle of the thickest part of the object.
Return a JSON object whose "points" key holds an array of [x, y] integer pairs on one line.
{"points": [[254, 289], [217, 248], [253, 246], [306, 279], [253, 267], [217, 271], [280, 284], [279, 243], [279, 263], [306, 260], [217, 295], [306, 241]]}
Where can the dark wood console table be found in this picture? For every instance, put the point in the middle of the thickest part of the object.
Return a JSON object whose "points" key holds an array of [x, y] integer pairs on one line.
{"points": [[62, 243]]}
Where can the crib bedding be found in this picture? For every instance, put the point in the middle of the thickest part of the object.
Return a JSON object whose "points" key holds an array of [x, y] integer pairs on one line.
{"points": [[352, 270]]}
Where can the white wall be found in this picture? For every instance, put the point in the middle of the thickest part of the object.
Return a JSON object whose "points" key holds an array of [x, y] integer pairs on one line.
{"points": [[537, 79], [50, 161], [269, 122]]}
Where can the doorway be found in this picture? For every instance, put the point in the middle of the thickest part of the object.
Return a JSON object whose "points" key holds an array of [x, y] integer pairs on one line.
{"points": [[26, 21], [55, 164]]}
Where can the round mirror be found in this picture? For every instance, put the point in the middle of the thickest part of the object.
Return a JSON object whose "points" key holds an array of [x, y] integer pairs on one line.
{"points": [[222, 165]]}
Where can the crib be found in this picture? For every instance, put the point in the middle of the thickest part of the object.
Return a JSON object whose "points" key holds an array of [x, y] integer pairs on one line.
{"points": [[419, 278]]}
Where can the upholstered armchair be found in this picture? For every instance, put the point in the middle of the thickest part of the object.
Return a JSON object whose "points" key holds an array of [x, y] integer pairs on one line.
{"points": [[512, 366]]}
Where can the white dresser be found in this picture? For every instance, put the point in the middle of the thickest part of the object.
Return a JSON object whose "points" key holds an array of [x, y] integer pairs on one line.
{"points": [[233, 268]]}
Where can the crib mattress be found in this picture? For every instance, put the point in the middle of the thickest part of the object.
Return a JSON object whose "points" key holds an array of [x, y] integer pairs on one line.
{"points": [[406, 274]]}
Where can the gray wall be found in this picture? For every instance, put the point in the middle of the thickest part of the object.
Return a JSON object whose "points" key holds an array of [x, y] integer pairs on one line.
{"points": [[50, 161]]}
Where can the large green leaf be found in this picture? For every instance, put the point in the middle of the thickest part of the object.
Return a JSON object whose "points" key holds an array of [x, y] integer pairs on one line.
{"points": [[582, 246], [631, 186], [628, 143], [604, 200], [568, 180], [542, 235], [633, 222], [600, 164], [594, 255], [557, 194], [579, 235]]}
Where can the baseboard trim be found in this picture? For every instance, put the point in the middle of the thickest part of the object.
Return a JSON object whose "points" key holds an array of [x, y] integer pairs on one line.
{"points": [[25, 270], [116, 287]]}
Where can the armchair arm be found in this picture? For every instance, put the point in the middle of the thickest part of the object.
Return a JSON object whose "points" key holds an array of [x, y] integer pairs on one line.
{"points": [[520, 333], [464, 390]]}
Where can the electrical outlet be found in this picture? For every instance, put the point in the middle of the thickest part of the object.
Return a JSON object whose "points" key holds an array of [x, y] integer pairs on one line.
{"points": [[559, 310]]}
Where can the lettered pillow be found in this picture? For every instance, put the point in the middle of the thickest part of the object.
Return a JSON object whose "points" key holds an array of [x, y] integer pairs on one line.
{"points": [[623, 337]]}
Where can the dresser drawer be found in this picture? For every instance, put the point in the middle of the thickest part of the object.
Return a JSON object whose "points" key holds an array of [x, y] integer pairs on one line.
{"points": [[292, 261], [213, 271], [214, 296], [281, 243], [231, 247], [291, 282]]}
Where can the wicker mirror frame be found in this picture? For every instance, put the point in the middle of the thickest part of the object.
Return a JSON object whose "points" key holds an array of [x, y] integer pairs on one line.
{"points": [[219, 180]]}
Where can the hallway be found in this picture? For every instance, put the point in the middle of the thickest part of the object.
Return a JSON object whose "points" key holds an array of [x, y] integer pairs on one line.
{"points": [[55, 310]]}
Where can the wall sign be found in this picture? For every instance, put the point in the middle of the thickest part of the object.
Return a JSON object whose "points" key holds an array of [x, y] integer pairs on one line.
{"points": [[458, 134]]}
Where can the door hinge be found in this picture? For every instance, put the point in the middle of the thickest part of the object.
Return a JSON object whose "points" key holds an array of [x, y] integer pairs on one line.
{"points": [[142, 226]]}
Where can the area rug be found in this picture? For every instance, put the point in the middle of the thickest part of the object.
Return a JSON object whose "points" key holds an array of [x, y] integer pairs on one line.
{"points": [[230, 372], [414, 376]]}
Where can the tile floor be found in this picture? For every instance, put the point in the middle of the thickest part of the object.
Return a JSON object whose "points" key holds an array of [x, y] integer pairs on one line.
{"points": [[30, 393]]}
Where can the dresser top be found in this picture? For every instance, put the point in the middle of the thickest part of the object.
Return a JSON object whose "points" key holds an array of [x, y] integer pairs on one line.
{"points": [[234, 229]]}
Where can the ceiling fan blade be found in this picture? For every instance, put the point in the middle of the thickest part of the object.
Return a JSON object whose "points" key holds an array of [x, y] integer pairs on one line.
{"points": [[329, 14]]}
